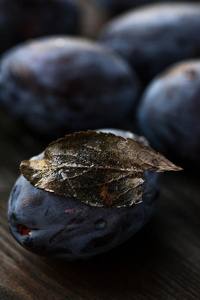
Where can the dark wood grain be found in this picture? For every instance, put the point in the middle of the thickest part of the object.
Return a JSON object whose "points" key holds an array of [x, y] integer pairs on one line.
{"points": [[162, 261]]}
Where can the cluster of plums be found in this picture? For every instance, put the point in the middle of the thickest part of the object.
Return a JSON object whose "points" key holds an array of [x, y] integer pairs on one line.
{"points": [[61, 84], [144, 65]]}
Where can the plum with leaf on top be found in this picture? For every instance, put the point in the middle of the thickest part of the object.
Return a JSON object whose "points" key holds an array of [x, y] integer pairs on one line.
{"points": [[63, 84], [83, 196], [153, 37], [169, 113]]}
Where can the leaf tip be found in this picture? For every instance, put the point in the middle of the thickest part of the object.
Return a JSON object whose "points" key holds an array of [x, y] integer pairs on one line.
{"points": [[173, 167]]}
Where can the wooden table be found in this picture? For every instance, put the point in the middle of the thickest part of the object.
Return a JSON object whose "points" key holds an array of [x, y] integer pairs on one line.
{"points": [[161, 262]]}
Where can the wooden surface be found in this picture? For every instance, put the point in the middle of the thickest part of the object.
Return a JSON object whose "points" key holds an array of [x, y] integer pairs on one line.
{"points": [[161, 262]]}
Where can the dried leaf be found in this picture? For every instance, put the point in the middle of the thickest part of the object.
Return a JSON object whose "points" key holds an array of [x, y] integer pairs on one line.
{"points": [[100, 169]]}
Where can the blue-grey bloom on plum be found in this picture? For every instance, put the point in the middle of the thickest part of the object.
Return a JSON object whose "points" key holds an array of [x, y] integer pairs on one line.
{"points": [[169, 113], [60, 84], [153, 37]]}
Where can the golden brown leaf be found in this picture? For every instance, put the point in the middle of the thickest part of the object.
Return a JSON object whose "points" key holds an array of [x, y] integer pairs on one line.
{"points": [[98, 168]]}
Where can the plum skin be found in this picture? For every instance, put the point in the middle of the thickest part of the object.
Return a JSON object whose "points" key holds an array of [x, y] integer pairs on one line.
{"points": [[60, 84], [169, 113], [52, 225], [155, 36], [69, 229]]}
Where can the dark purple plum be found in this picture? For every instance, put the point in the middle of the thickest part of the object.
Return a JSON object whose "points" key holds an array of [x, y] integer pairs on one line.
{"points": [[62, 227], [63, 84], [155, 36], [169, 113], [24, 19]]}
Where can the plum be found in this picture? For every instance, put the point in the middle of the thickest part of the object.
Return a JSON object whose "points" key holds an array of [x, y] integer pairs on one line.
{"points": [[23, 19], [62, 227], [155, 36], [169, 113], [63, 84]]}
